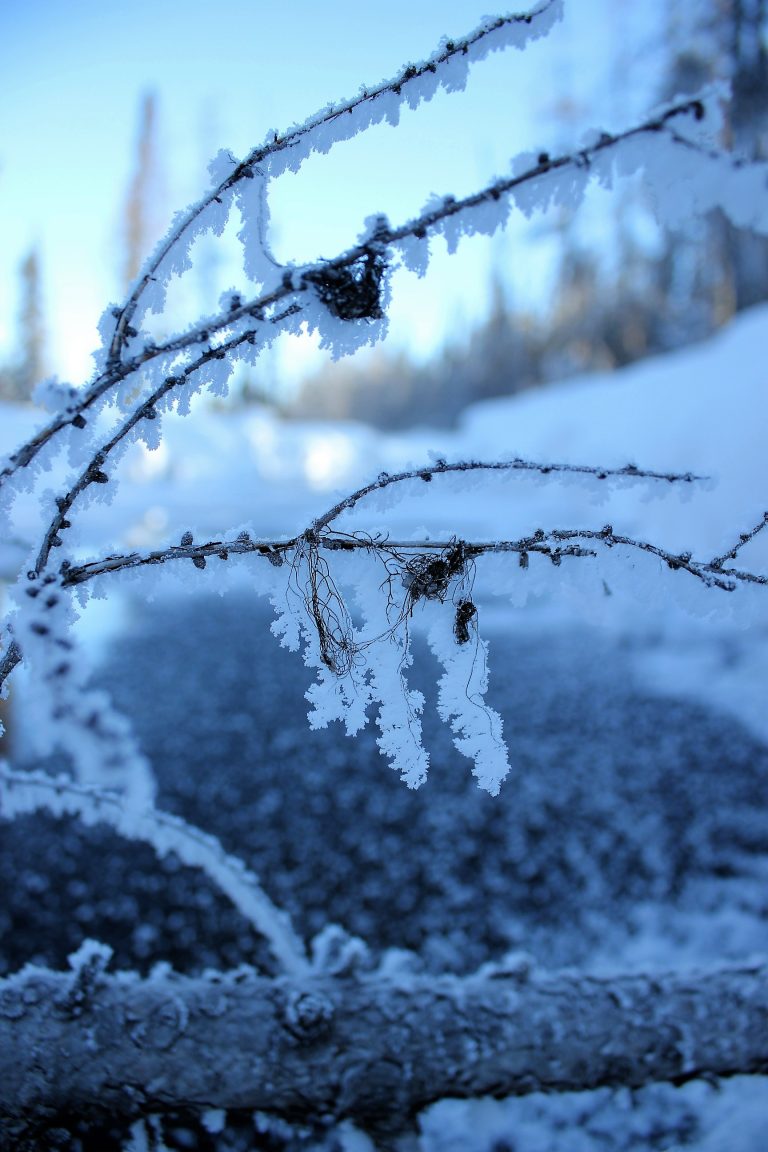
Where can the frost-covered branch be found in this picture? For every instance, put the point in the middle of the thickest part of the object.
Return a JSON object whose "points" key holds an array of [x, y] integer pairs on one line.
{"points": [[370, 1049], [319, 534], [337, 122], [711, 573], [442, 467], [94, 472], [344, 299], [434, 573], [361, 664], [349, 285], [9, 659], [446, 68], [373, 1046], [744, 538], [22, 793]]}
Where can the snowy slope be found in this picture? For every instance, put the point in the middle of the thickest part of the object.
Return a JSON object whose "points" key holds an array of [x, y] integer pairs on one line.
{"points": [[703, 409]]}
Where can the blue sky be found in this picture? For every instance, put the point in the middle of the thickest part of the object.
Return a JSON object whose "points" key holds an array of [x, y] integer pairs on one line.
{"points": [[72, 76]]}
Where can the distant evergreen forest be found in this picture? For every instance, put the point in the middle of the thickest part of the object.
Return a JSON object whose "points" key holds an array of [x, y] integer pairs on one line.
{"points": [[608, 309], [610, 306]]}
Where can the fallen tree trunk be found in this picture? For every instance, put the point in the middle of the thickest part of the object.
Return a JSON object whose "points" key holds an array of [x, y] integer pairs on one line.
{"points": [[369, 1049]]}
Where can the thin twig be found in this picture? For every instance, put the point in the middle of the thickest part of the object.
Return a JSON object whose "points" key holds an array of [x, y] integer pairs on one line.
{"points": [[744, 538], [546, 543], [8, 661], [386, 479], [557, 544], [303, 280], [402, 82], [94, 470]]}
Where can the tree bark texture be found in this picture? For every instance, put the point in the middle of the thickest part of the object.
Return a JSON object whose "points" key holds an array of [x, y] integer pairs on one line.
{"points": [[368, 1048]]}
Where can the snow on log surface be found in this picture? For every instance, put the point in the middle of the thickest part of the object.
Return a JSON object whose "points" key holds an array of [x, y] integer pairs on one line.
{"points": [[371, 1049]]}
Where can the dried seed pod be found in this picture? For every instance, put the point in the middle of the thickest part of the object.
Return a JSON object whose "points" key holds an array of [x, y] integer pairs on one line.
{"points": [[465, 612]]}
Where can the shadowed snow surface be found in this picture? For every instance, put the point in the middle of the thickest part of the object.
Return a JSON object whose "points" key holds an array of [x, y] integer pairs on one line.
{"points": [[616, 799], [632, 832]]}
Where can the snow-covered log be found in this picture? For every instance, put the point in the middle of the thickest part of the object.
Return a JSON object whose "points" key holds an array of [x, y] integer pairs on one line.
{"points": [[373, 1049]]}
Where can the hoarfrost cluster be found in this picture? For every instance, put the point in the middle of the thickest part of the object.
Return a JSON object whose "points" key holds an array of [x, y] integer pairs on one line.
{"points": [[346, 591]]}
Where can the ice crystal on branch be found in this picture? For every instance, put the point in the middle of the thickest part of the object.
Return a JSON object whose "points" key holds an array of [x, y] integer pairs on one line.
{"points": [[350, 588], [361, 663]]}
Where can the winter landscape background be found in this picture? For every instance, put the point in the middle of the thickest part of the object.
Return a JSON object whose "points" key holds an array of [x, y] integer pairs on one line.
{"points": [[630, 834]]}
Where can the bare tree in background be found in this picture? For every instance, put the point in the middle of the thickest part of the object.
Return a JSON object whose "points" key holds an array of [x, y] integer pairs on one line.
{"points": [[139, 221], [19, 378]]}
